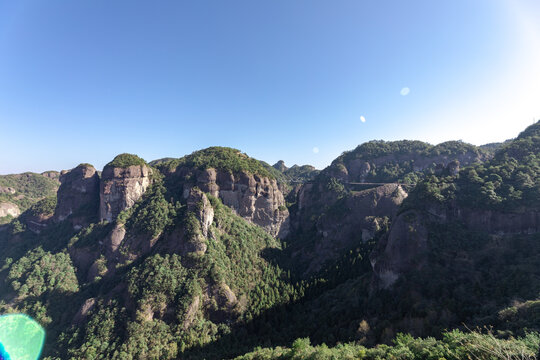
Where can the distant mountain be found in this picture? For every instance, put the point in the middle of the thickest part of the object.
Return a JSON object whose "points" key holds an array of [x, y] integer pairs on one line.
{"points": [[20, 191], [217, 255], [296, 173]]}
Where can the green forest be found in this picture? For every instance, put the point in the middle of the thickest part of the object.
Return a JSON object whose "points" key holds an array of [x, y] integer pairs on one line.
{"points": [[181, 275]]}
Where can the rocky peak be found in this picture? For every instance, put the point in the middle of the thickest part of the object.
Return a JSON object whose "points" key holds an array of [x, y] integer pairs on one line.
{"points": [[244, 184], [79, 189], [255, 198], [280, 165], [123, 181]]}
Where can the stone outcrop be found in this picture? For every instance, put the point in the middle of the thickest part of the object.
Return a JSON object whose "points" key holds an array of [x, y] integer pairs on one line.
{"points": [[84, 310], [343, 222], [120, 188], [9, 209], [405, 247], [255, 198], [493, 222], [191, 237], [280, 166], [7, 190], [78, 192], [357, 170], [500, 223], [402, 249], [114, 239], [54, 175], [199, 204]]}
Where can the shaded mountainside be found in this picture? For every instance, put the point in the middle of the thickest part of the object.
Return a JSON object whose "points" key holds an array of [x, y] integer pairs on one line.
{"points": [[471, 239], [216, 255], [330, 215]]}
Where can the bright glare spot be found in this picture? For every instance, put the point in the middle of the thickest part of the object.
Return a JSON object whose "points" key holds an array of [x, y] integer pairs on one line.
{"points": [[315, 150], [362, 119], [405, 91]]}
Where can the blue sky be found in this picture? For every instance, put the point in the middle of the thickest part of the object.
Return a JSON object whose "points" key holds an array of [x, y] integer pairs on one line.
{"points": [[82, 81]]}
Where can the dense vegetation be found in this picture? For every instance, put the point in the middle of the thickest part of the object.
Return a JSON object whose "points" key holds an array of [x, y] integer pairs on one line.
{"points": [[43, 207], [509, 182], [171, 290], [221, 158], [302, 173], [454, 345], [405, 161], [29, 189], [126, 160], [166, 303], [296, 173], [379, 148]]}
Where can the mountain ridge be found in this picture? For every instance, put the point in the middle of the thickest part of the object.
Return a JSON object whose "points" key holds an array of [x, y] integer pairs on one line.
{"points": [[216, 253]]}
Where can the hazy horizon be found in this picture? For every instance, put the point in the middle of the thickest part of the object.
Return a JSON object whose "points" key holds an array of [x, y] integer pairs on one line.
{"points": [[295, 81]]}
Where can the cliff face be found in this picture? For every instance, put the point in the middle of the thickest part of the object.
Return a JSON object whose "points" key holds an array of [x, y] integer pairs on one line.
{"points": [[379, 161], [500, 223], [343, 222], [359, 170], [406, 246], [255, 198], [78, 192], [402, 249], [120, 188]]}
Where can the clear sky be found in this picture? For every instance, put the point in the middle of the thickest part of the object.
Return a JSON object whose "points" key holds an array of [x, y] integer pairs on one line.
{"points": [[298, 80]]}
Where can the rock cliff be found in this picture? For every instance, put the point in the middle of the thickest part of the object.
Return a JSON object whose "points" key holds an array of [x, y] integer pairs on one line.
{"points": [[338, 222], [402, 249], [389, 161], [256, 198], [121, 187], [78, 193], [406, 246]]}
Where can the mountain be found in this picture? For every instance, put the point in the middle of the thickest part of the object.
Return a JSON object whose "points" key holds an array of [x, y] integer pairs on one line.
{"points": [[296, 173], [18, 192], [220, 255]]}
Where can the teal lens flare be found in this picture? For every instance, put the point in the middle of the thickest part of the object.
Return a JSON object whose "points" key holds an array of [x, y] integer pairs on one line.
{"points": [[21, 338]]}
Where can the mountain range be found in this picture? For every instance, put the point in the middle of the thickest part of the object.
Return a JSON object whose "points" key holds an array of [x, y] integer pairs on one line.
{"points": [[397, 250]]}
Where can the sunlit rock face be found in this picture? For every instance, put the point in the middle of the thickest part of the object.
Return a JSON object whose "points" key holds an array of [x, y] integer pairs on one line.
{"points": [[9, 209], [120, 188], [199, 204], [256, 198]]}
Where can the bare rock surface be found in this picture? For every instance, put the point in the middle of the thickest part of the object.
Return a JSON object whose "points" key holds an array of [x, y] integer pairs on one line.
{"points": [[9, 209], [120, 188], [79, 190], [255, 198]]}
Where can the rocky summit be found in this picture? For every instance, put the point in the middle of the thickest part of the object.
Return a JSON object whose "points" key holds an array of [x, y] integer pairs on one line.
{"points": [[395, 249]]}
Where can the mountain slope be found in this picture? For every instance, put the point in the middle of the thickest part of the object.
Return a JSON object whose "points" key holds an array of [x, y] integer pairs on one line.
{"points": [[202, 257]]}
